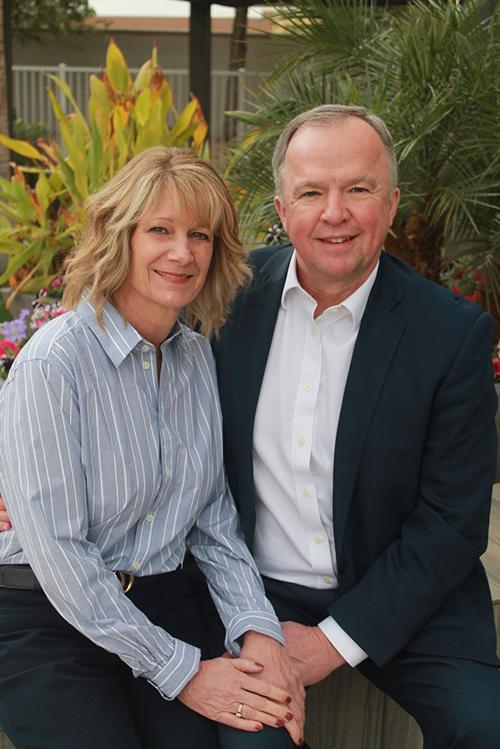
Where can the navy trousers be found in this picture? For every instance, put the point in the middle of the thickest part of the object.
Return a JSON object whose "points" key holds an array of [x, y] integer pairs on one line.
{"points": [[455, 701], [60, 691]]}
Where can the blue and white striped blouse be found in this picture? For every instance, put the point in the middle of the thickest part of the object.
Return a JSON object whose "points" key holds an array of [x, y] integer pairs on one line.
{"points": [[104, 468]]}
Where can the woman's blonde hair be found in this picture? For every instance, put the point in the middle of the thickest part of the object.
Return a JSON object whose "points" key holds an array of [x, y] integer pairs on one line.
{"points": [[100, 262]]}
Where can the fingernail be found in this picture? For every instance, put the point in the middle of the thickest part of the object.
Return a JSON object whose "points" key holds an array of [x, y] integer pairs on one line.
{"points": [[288, 700], [279, 723], [261, 665], [289, 716], [258, 727]]}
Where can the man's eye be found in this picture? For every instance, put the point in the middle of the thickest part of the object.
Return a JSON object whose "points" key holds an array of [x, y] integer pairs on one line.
{"points": [[358, 189], [310, 194]]}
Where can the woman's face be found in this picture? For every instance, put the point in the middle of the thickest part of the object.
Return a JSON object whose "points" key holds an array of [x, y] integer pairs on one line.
{"points": [[170, 257]]}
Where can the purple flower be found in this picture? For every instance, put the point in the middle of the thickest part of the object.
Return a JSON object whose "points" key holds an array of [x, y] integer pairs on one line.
{"points": [[16, 329]]}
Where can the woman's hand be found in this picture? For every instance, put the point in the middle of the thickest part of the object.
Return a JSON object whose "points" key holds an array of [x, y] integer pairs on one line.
{"points": [[281, 670], [224, 686], [5, 523]]}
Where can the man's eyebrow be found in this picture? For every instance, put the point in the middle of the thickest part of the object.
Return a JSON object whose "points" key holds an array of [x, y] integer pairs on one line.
{"points": [[363, 179]]}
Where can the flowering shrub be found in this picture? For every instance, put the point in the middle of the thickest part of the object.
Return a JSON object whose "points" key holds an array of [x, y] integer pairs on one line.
{"points": [[15, 333], [496, 361]]}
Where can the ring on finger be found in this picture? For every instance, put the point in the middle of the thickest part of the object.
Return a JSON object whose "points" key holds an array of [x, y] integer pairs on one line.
{"points": [[238, 712]]}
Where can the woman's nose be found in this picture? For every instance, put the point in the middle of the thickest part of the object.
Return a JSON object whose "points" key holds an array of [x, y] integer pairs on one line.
{"points": [[180, 249]]}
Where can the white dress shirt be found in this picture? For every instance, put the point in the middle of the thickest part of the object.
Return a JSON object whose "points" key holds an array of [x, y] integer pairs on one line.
{"points": [[294, 442]]}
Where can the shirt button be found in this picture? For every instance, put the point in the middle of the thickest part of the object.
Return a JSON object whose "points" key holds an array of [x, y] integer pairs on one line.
{"points": [[307, 387], [328, 580], [168, 472], [145, 348], [318, 540], [301, 442], [135, 565], [305, 493], [146, 365], [314, 332], [150, 517]]}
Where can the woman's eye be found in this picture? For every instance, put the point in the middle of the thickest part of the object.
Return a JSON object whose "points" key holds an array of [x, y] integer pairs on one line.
{"points": [[158, 230], [201, 235]]}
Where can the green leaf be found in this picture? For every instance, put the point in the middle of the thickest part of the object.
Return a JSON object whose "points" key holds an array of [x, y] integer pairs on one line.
{"points": [[117, 70], [22, 147]]}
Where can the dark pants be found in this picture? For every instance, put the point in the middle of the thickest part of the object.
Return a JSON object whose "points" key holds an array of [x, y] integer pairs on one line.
{"points": [[455, 701], [60, 691]]}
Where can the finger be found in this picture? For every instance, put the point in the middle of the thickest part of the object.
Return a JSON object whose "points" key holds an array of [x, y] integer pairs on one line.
{"points": [[264, 688], [294, 727], [5, 526], [229, 719], [274, 710], [247, 666]]}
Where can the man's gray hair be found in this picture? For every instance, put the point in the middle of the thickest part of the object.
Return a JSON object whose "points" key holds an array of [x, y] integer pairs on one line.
{"points": [[323, 115]]}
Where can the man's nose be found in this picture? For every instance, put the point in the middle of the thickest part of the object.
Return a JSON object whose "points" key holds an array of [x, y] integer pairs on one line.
{"points": [[334, 209]]}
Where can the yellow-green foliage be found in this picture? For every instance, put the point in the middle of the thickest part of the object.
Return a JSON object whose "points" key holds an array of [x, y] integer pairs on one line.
{"points": [[40, 224]]}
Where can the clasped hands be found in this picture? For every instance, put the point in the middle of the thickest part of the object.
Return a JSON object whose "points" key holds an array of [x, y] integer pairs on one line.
{"points": [[261, 687]]}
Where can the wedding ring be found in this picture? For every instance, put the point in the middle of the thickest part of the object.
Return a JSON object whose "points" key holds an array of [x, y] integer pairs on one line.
{"points": [[238, 711]]}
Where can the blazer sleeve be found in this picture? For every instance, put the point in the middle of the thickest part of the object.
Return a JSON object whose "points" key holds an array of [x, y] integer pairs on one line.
{"points": [[442, 539]]}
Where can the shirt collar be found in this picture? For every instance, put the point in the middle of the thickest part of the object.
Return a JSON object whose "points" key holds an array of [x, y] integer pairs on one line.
{"points": [[119, 337], [355, 303]]}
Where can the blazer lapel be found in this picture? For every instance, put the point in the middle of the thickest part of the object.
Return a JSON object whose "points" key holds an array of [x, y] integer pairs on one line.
{"points": [[376, 344]]}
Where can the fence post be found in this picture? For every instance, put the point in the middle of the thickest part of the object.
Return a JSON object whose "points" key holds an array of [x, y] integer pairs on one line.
{"points": [[240, 82], [63, 75]]}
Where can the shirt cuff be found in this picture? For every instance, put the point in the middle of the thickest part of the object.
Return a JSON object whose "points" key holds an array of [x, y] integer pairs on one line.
{"points": [[348, 649], [181, 667], [264, 623]]}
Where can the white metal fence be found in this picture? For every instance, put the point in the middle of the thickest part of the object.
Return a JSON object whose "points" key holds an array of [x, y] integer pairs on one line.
{"points": [[32, 104]]}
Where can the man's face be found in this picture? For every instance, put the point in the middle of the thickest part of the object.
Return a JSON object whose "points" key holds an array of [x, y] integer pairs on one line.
{"points": [[337, 204]]}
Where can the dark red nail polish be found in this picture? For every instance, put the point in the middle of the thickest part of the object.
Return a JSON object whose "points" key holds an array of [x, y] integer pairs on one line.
{"points": [[288, 700], [289, 716], [259, 728], [279, 723]]}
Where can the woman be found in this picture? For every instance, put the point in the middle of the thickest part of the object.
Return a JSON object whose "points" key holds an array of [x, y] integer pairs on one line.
{"points": [[111, 467]]}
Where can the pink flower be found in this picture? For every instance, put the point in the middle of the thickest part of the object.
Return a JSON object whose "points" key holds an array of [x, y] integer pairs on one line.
{"points": [[9, 349], [496, 367], [474, 297]]}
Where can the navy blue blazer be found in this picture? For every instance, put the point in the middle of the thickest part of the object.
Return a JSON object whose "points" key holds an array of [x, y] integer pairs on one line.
{"points": [[414, 458]]}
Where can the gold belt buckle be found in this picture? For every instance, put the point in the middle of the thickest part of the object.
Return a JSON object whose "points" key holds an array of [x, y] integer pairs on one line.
{"points": [[126, 580]]}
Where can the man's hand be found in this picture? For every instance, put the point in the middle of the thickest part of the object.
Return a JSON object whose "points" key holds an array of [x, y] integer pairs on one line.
{"points": [[278, 669], [312, 652], [224, 686], [5, 523]]}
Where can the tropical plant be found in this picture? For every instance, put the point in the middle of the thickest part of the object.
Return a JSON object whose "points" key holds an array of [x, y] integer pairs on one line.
{"points": [[431, 71], [39, 225]]}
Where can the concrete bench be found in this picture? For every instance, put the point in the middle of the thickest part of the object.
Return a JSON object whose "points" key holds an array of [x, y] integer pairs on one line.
{"points": [[348, 712]]}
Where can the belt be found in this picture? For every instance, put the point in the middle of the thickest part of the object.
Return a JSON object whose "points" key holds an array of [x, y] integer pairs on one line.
{"points": [[22, 577]]}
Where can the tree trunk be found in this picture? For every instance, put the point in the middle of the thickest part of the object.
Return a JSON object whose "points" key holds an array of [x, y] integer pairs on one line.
{"points": [[4, 99], [237, 60]]}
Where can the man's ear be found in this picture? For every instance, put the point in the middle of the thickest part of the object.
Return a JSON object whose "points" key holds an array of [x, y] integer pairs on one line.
{"points": [[280, 210], [394, 203]]}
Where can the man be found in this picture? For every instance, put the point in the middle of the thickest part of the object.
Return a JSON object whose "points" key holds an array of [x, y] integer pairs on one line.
{"points": [[359, 406]]}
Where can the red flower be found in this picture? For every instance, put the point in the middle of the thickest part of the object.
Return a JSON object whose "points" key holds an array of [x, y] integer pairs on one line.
{"points": [[474, 297], [480, 277], [9, 349], [496, 367]]}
